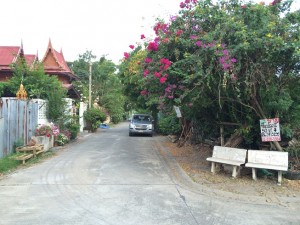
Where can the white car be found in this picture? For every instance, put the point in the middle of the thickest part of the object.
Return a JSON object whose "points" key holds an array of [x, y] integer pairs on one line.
{"points": [[141, 124]]}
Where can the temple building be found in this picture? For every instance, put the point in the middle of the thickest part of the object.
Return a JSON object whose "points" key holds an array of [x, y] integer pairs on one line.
{"points": [[53, 61], [55, 65]]}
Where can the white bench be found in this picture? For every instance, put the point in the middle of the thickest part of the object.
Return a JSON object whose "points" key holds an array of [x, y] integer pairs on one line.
{"points": [[272, 160], [231, 156]]}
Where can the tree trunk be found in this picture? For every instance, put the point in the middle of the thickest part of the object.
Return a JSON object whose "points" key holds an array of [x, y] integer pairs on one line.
{"points": [[263, 116]]}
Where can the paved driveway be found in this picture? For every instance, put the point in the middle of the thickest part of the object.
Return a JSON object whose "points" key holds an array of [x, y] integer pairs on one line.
{"points": [[111, 178]]}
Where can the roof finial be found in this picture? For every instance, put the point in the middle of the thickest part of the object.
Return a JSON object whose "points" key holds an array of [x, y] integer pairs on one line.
{"points": [[49, 44]]}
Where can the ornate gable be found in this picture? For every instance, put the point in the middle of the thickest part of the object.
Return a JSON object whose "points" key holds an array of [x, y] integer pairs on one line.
{"points": [[55, 64]]}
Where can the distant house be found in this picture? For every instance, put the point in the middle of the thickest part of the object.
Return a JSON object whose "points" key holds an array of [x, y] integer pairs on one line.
{"points": [[55, 65], [53, 61]]}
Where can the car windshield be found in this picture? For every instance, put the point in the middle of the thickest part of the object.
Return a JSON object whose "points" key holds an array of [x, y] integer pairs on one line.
{"points": [[141, 118]]}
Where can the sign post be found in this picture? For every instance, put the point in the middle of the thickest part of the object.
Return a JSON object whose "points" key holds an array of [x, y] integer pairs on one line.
{"points": [[270, 130]]}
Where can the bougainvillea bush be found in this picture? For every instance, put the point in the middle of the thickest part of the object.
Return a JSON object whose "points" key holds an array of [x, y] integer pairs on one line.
{"points": [[222, 61]]}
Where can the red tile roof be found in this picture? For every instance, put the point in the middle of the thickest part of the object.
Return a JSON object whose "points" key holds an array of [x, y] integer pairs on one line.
{"points": [[30, 59], [9, 54]]}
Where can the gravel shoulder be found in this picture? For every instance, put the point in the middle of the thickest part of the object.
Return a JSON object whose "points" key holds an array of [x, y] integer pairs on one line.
{"points": [[192, 159]]}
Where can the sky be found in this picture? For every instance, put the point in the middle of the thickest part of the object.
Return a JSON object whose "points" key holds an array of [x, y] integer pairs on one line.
{"points": [[75, 26]]}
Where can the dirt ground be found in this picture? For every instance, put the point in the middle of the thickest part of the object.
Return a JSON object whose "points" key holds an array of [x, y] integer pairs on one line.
{"points": [[192, 159]]}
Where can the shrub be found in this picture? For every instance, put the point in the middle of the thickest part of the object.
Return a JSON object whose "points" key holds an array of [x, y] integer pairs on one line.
{"points": [[73, 129], [61, 139], [94, 117], [169, 124]]}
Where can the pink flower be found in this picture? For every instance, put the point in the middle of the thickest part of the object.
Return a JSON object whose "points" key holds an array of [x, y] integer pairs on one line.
{"points": [[162, 80], [198, 43], [126, 55], [193, 37], [178, 33], [148, 60], [144, 92], [233, 60], [131, 46], [225, 66], [182, 5], [166, 63], [170, 96], [243, 6], [146, 72], [156, 74], [152, 46], [142, 36]]}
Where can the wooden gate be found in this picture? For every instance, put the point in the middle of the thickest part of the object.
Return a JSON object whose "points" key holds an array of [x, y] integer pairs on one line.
{"points": [[18, 121]]}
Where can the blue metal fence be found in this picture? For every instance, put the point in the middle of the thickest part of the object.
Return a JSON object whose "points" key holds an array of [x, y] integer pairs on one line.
{"points": [[18, 120]]}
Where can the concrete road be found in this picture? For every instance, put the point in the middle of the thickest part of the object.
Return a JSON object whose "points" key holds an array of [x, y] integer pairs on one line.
{"points": [[111, 178]]}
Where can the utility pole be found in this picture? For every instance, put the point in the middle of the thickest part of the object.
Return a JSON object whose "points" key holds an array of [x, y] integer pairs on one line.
{"points": [[90, 86]]}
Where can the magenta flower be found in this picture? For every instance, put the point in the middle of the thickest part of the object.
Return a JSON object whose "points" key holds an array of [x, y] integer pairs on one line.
{"points": [[131, 46], [148, 60], [198, 43], [193, 37], [142, 36], [182, 5], [170, 96], [157, 74], [152, 46], [233, 60], [162, 80], [225, 66], [126, 55], [178, 33], [146, 72], [168, 89]]}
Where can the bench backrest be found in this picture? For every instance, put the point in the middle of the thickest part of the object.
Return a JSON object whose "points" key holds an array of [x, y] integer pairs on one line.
{"points": [[268, 157], [236, 154]]}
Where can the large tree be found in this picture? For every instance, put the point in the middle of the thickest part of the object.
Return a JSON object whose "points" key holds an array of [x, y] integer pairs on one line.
{"points": [[106, 86], [225, 62]]}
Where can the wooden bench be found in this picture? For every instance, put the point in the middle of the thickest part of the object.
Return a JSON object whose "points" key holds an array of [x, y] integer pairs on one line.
{"points": [[231, 156], [23, 157], [272, 160], [35, 149]]}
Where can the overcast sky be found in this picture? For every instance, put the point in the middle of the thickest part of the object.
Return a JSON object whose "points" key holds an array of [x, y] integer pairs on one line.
{"points": [[107, 27]]}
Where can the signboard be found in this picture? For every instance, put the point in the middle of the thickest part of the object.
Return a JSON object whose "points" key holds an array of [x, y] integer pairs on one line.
{"points": [[177, 110], [270, 130]]}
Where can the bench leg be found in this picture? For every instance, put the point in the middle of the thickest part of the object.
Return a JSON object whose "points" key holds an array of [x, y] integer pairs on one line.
{"points": [[254, 174], [234, 171], [279, 177], [213, 167]]}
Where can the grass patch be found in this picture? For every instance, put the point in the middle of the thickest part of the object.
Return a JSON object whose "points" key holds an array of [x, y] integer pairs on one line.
{"points": [[9, 163]]}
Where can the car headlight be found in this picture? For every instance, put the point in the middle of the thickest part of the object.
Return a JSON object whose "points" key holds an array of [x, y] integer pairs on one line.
{"points": [[149, 126], [131, 125]]}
